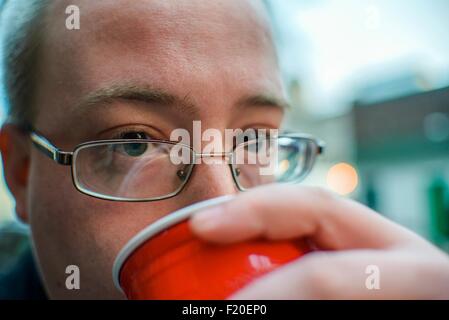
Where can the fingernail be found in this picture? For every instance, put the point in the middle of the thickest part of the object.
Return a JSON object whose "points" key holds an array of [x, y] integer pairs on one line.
{"points": [[209, 219]]}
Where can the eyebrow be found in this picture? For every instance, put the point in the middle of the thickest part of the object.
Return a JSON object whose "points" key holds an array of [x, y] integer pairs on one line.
{"points": [[265, 100], [149, 95], [137, 93]]}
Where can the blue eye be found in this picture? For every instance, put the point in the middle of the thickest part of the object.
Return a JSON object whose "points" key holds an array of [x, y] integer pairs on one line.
{"points": [[134, 149]]}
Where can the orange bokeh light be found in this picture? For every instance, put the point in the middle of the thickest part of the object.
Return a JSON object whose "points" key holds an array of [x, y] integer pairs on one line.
{"points": [[342, 178]]}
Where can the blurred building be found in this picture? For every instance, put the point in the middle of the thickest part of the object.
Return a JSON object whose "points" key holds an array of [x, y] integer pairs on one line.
{"points": [[402, 152]]}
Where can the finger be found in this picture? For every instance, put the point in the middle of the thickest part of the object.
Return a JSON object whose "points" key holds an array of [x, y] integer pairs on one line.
{"points": [[357, 274], [280, 212]]}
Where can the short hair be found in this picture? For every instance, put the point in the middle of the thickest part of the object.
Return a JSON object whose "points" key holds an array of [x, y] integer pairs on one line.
{"points": [[22, 26]]}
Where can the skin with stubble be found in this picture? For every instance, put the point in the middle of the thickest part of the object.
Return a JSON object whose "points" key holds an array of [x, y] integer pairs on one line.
{"points": [[153, 66]]}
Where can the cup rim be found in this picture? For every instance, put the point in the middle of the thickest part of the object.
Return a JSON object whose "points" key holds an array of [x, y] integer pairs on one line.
{"points": [[156, 227]]}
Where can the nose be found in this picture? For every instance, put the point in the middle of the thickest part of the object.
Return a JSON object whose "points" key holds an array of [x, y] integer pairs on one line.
{"points": [[209, 179]]}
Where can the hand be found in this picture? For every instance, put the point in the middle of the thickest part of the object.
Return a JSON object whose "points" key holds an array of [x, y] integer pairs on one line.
{"points": [[349, 237]]}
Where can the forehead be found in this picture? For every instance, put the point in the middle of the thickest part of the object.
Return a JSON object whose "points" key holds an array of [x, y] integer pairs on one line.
{"points": [[175, 45], [186, 23]]}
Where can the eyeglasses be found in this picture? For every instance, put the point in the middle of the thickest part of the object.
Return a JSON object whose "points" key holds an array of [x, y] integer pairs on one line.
{"points": [[149, 170]]}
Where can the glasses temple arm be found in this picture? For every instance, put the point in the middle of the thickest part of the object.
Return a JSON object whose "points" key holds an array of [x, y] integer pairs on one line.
{"points": [[45, 146]]}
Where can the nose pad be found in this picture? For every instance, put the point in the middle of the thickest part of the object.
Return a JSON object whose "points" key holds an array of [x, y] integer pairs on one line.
{"points": [[182, 173]]}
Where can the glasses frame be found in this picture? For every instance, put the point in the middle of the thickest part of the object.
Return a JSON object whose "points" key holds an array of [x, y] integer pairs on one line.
{"points": [[68, 158]]}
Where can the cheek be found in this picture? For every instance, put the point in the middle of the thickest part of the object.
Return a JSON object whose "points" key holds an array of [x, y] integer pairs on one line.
{"points": [[72, 228]]}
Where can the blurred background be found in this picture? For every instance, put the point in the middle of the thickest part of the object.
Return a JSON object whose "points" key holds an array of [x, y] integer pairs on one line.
{"points": [[371, 78]]}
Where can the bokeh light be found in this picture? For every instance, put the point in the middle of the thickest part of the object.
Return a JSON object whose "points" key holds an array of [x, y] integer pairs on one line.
{"points": [[342, 178]]}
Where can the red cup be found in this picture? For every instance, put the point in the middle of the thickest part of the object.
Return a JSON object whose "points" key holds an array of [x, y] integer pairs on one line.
{"points": [[166, 261]]}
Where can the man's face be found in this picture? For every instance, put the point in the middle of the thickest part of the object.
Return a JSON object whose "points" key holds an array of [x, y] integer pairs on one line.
{"points": [[215, 57]]}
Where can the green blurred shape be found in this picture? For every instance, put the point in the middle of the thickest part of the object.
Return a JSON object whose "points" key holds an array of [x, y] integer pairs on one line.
{"points": [[438, 195]]}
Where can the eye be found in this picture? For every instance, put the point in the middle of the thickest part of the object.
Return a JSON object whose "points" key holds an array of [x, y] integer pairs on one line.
{"points": [[134, 149]]}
